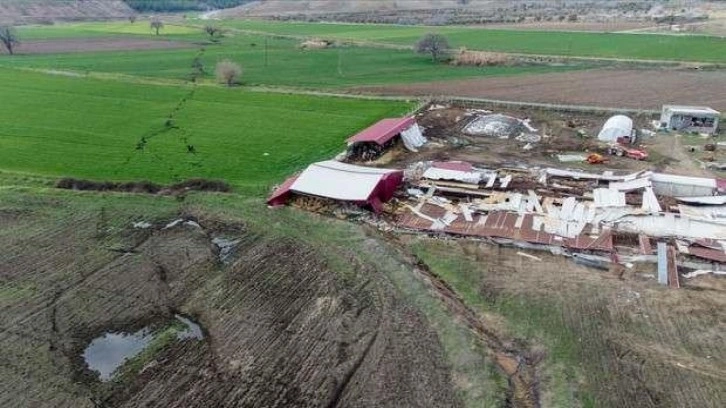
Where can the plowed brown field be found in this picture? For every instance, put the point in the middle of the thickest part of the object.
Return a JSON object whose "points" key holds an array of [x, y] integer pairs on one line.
{"points": [[95, 44], [632, 88]]}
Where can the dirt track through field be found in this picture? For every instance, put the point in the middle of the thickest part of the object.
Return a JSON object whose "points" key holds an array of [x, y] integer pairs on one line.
{"points": [[637, 89], [95, 44]]}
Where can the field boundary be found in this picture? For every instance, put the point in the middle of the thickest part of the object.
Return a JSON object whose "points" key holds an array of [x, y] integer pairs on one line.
{"points": [[420, 100], [390, 45]]}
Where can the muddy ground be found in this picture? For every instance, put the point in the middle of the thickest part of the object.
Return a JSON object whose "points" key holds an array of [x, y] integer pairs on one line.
{"points": [[307, 311], [95, 44], [561, 132], [613, 88], [283, 328]]}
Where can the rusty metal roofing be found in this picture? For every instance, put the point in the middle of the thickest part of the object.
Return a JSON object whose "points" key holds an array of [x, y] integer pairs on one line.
{"points": [[717, 255], [503, 224]]}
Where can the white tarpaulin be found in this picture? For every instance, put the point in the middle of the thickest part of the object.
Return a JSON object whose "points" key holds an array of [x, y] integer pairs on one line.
{"points": [[615, 127], [435, 173], [668, 225], [413, 138]]}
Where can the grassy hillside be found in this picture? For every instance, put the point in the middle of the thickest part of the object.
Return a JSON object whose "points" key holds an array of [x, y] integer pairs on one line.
{"points": [[66, 126], [611, 45], [28, 11]]}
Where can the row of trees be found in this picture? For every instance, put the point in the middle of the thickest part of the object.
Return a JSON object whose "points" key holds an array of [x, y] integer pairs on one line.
{"points": [[181, 5]]}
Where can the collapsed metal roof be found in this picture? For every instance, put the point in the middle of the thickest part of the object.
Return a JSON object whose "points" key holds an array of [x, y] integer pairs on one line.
{"points": [[383, 130], [341, 181]]}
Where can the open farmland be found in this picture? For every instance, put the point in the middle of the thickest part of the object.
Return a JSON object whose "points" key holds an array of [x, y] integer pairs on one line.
{"points": [[324, 303], [583, 44], [68, 126], [266, 61], [95, 44], [105, 29], [635, 89], [287, 319]]}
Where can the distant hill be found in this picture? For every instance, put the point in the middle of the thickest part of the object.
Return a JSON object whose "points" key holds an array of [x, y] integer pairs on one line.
{"points": [[42, 11], [274, 7]]}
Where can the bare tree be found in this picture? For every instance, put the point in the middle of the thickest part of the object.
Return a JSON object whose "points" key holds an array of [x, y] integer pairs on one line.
{"points": [[9, 38], [156, 24], [228, 72], [213, 31], [434, 44]]}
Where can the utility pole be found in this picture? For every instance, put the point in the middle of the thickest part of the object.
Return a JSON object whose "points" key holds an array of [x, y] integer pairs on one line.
{"points": [[265, 51], [340, 61]]}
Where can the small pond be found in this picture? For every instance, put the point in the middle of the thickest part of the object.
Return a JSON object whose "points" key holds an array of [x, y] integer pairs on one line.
{"points": [[106, 353]]}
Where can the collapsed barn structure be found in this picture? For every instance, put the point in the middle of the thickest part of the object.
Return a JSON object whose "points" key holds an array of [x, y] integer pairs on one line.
{"points": [[604, 216], [372, 142], [599, 219], [364, 186]]}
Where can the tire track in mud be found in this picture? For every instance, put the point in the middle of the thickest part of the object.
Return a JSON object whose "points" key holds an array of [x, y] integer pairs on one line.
{"points": [[519, 365], [57, 296], [520, 368], [340, 389]]}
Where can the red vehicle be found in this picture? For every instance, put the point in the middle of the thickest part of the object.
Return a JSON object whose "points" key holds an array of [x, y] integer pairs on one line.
{"points": [[620, 151]]}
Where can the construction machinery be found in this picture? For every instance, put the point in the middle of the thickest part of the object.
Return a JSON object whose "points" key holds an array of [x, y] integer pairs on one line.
{"points": [[595, 158], [625, 151]]}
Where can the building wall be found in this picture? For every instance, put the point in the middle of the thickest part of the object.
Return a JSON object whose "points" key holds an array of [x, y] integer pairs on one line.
{"points": [[681, 190], [684, 123]]}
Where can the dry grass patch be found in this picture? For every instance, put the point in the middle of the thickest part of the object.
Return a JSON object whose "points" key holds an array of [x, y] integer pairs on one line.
{"points": [[481, 58]]}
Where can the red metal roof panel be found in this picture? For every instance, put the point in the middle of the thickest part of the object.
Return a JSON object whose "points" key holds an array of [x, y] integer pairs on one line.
{"points": [[279, 196], [708, 253], [383, 131]]}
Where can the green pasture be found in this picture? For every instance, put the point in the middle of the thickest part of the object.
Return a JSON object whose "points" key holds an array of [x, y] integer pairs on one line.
{"points": [[102, 29], [265, 61], [86, 128], [609, 45]]}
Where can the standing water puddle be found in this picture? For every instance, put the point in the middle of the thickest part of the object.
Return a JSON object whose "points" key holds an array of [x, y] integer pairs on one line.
{"points": [[106, 353]]}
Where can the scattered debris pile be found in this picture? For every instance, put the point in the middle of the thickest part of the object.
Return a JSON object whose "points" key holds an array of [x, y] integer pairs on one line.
{"points": [[569, 212], [606, 219], [494, 125]]}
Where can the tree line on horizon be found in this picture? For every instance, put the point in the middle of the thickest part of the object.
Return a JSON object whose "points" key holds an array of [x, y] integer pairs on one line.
{"points": [[181, 5]]}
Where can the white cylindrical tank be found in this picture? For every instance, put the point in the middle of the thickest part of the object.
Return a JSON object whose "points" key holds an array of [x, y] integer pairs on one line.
{"points": [[616, 127]]}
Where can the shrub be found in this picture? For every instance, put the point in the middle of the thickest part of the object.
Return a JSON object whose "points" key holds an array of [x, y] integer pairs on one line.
{"points": [[228, 72]]}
